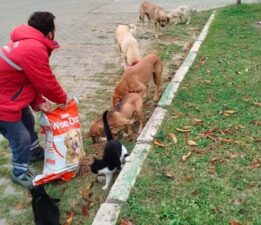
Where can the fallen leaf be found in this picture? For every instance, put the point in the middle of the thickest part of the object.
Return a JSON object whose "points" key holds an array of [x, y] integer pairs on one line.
{"points": [[186, 156], [208, 133], [192, 143], [183, 130], [232, 156], [188, 178], [173, 137], [126, 222], [212, 169], [258, 123], [19, 206], [69, 218], [175, 116], [229, 112], [225, 140], [159, 143], [85, 211], [86, 192], [169, 174], [258, 104], [202, 61], [195, 193], [233, 222], [255, 164], [215, 161], [197, 122]]}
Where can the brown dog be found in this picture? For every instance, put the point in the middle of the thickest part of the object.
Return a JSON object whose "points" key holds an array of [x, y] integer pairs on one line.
{"points": [[120, 116], [128, 45], [155, 13], [136, 78]]}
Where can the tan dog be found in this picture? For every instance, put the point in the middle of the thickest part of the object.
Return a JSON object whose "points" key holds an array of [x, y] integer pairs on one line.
{"points": [[136, 78], [181, 14], [155, 13], [73, 143], [128, 45], [120, 116]]}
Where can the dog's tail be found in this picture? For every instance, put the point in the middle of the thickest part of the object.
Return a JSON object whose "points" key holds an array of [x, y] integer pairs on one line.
{"points": [[106, 125], [133, 28]]}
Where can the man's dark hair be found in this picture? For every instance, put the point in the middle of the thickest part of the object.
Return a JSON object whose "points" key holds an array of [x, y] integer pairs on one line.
{"points": [[42, 21]]}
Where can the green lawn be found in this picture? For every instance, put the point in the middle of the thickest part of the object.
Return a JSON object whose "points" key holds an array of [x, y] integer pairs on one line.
{"points": [[218, 180]]}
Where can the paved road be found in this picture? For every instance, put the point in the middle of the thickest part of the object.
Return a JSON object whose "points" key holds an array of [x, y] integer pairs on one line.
{"points": [[89, 57]]}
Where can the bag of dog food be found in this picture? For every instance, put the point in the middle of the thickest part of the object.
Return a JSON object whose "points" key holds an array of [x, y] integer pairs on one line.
{"points": [[63, 144]]}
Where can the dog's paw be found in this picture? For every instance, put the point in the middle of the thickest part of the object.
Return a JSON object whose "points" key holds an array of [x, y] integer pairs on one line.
{"points": [[100, 178], [104, 187], [127, 159]]}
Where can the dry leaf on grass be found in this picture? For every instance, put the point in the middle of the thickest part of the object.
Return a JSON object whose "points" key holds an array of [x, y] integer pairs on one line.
{"points": [[173, 137], [192, 143], [183, 130], [229, 112], [233, 222], [126, 222], [255, 164], [258, 104], [197, 122], [159, 143], [85, 210], [19, 206], [86, 192], [186, 156], [69, 218], [216, 161], [220, 139], [169, 174]]}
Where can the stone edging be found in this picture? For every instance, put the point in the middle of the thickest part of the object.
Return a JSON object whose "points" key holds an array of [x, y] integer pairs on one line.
{"points": [[109, 211]]}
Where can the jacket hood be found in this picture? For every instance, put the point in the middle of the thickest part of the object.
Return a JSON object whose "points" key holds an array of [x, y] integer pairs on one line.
{"points": [[23, 32]]}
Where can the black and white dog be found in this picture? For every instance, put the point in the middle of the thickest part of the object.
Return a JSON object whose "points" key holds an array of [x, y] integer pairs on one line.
{"points": [[113, 157]]}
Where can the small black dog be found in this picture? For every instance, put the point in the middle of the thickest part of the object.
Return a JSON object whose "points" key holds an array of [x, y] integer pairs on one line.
{"points": [[113, 156], [44, 208]]}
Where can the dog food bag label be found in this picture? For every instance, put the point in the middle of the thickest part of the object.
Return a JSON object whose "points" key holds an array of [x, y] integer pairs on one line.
{"points": [[63, 144]]}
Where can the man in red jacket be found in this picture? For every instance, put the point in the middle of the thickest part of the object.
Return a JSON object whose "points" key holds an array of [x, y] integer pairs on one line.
{"points": [[25, 78]]}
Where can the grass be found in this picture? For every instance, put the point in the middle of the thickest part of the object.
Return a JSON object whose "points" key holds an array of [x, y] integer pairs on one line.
{"points": [[219, 103], [72, 203]]}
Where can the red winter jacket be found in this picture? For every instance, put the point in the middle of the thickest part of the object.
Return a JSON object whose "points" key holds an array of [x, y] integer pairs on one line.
{"points": [[25, 74]]}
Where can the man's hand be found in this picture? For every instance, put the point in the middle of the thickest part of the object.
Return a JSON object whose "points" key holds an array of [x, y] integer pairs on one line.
{"points": [[45, 107], [64, 106]]}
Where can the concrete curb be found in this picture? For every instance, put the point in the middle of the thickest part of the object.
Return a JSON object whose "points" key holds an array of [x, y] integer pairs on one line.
{"points": [[109, 211]]}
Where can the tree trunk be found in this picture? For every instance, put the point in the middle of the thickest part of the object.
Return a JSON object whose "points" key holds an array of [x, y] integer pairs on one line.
{"points": [[238, 2]]}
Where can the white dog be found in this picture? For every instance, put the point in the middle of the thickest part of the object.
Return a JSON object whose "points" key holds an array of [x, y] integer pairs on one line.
{"points": [[181, 14], [128, 45]]}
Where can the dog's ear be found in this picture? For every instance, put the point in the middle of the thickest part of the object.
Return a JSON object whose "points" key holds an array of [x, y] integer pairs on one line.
{"points": [[168, 19]]}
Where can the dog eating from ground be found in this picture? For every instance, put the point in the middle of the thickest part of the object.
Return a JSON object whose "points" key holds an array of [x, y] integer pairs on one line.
{"points": [[181, 14], [73, 143], [115, 153], [128, 45], [155, 13], [135, 79], [120, 116]]}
